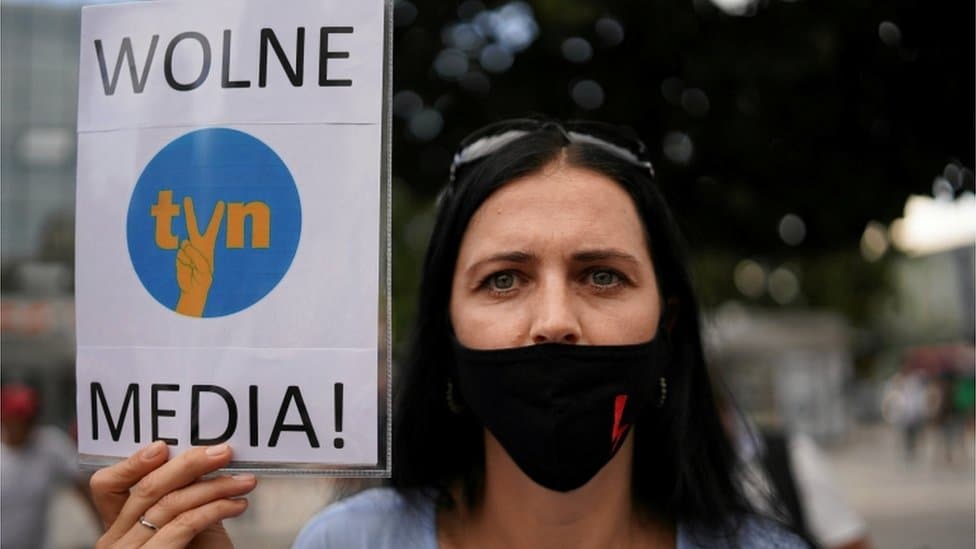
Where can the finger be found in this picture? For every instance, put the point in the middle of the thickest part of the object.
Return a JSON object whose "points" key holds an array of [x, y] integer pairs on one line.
{"points": [[137, 535], [191, 219], [210, 237], [182, 529], [197, 258], [178, 502], [175, 474], [183, 256], [198, 494], [110, 486]]}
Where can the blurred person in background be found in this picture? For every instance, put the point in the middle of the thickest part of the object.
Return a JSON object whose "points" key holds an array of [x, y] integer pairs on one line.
{"points": [[35, 460], [946, 414], [964, 401], [906, 406], [785, 473], [952, 399]]}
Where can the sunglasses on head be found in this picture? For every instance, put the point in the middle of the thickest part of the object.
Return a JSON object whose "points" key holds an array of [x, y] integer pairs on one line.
{"points": [[611, 139]]}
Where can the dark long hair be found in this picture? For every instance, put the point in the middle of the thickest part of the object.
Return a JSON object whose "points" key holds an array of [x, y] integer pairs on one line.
{"points": [[683, 462]]}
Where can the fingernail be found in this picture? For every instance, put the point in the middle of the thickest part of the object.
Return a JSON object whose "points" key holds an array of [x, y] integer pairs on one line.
{"points": [[218, 450], [243, 477], [153, 449]]}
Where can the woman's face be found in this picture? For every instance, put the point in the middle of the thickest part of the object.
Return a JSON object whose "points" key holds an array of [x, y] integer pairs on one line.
{"points": [[556, 256]]}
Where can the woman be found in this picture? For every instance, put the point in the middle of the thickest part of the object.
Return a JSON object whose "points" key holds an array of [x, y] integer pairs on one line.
{"points": [[556, 394]]}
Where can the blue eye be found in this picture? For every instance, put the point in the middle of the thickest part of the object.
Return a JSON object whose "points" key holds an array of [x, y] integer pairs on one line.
{"points": [[501, 281], [604, 278]]}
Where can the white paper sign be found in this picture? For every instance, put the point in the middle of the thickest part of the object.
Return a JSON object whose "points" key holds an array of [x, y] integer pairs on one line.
{"points": [[229, 248]]}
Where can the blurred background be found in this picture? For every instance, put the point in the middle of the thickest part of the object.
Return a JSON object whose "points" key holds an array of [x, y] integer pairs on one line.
{"points": [[818, 155]]}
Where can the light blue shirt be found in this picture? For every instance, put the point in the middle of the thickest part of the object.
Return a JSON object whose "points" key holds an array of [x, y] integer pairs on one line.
{"points": [[381, 518]]}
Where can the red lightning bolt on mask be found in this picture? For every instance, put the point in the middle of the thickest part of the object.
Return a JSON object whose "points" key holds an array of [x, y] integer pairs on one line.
{"points": [[619, 430]]}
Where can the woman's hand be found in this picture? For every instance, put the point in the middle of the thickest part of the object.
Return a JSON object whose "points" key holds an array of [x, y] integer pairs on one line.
{"points": [[168, 495]]}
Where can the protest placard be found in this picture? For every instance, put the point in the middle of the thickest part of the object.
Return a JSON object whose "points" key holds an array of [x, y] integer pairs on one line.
{"points": [[232, 221]]}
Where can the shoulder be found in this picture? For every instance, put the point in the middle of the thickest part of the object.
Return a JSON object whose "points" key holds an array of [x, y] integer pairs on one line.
{"points": [[754, 532], [761, 533], [58, 451], [377, 518], [53, 440]]}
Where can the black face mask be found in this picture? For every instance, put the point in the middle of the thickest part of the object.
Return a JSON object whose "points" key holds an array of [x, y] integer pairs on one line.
{"points": [[561, 411]]}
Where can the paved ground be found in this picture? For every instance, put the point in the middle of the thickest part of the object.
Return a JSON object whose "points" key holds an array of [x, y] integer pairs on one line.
{"points": [[925, 504]]}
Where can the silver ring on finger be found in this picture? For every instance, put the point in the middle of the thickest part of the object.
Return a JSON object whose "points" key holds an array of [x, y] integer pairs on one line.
{"points": [[148, 524]]}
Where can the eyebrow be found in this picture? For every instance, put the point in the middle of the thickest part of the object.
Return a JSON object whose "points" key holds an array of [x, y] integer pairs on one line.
{"points": [[512, 257], [589, 256], [583, 256]]}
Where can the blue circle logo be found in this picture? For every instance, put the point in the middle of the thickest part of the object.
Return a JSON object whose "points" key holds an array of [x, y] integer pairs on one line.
{"points": [[213, 223]]}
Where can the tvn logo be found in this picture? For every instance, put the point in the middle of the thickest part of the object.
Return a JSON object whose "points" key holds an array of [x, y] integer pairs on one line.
{"points": [[248, 200]]}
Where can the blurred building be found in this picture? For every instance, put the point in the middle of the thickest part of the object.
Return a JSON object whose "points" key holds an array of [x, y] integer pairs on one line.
{"points": [[934, 298], [785, 368], [39, 46], [935, 281]]}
